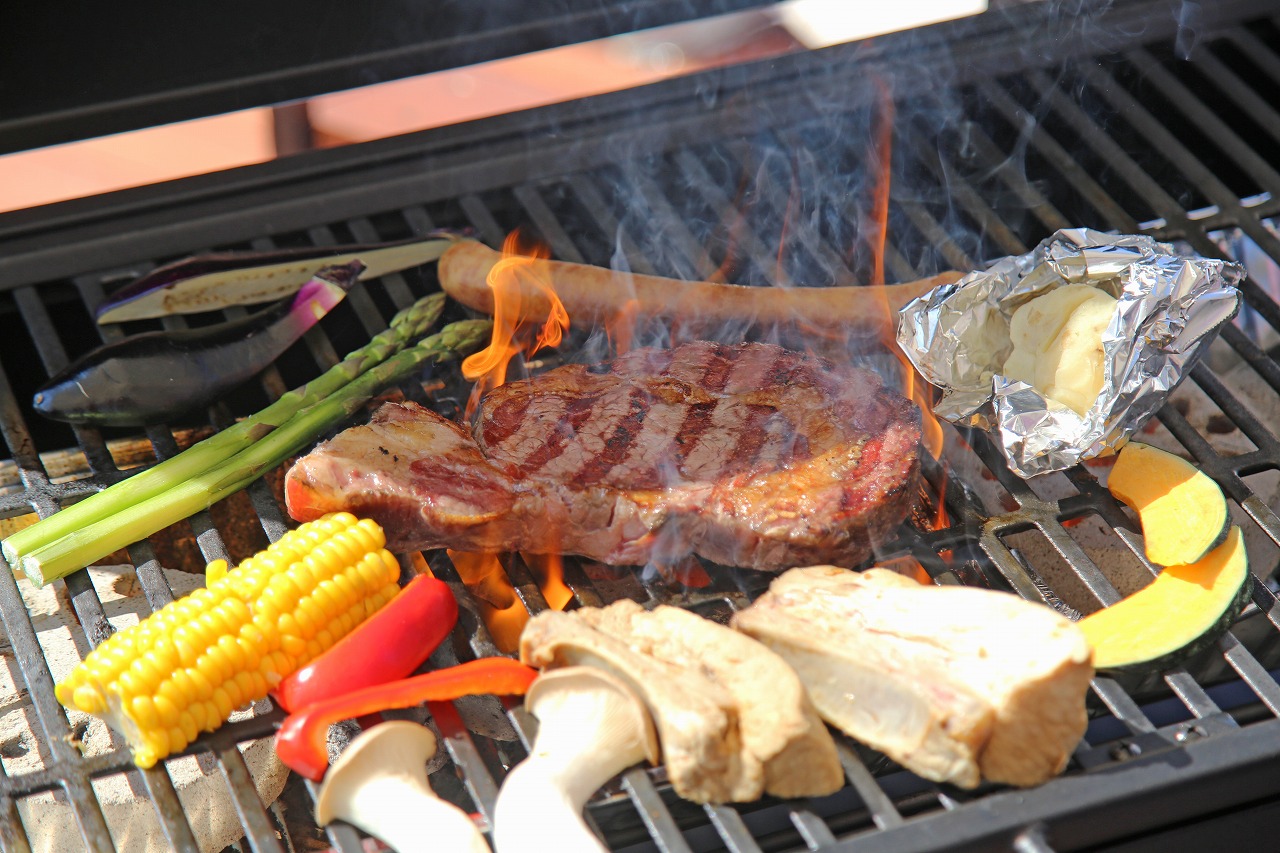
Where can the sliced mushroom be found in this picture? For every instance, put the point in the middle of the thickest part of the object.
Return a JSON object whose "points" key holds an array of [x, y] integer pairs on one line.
{"points": [[380, 785], [778, 722], [591, 727], [696, 719]]}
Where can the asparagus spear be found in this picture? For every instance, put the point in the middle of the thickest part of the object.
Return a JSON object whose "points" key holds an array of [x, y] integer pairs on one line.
{"points": [[190, 495], [408, 324]]}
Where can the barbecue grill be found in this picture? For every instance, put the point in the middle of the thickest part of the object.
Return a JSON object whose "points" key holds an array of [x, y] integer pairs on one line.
{"points": [[1141, 116]]}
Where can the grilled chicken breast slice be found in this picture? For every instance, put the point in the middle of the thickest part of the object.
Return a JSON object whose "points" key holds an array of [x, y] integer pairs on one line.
{"points": [[956, 684], [780, 728], [696, 719]]}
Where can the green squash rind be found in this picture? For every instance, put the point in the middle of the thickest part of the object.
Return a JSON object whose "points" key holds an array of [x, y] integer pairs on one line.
{"points": [[1211, 492], [1205, 640]]}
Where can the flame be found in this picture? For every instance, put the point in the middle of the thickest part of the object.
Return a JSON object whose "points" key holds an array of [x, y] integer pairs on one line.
{"points": [[908, 567], [500, 609], [692, 575], [621, 327], [420, 564], [914, 386], [917, 390], [549, 571], [880, 195], [735, 229], [940, 518], [519, 284], [515, 279], [792, 192]]}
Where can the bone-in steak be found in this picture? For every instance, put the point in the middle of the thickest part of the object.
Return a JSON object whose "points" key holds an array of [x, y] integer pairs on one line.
{"points": [[749, 455]]}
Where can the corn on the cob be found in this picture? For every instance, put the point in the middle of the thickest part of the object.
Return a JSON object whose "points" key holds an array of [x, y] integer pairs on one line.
{"points": [[186, 667]]}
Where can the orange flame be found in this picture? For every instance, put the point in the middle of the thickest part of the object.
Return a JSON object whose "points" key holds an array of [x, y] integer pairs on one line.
{"points": [[621, 327], [792, 192], [941, 519], [914, 387], [908, 567], [917, 390], [515, 279], [549, 571], [500, 609], [880, 195]]}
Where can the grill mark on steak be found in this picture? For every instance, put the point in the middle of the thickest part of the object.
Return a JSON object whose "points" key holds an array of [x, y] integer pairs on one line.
{"points": [[748, 455], [577, 413], [727, 423], [705, 368], [756, 369], [752, 440], [619, 444], [506, 420], [664, 452], [643, 362], [595, 431], [657, 454], [540, 412], [589, 436]]}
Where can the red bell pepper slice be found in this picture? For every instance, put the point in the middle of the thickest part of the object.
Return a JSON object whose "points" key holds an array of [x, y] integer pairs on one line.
{"points": [[300, 743], [388, 646]]}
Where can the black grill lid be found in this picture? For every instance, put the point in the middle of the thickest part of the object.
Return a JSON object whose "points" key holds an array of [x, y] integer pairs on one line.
{"points": [[67, 75], [694, 175]]}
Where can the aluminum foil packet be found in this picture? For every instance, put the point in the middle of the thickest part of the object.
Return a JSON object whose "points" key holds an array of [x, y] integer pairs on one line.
{"points": [[1168, 309]]}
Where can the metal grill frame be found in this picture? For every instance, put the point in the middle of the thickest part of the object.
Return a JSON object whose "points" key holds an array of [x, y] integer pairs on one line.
{"points": [[1153, 774]]}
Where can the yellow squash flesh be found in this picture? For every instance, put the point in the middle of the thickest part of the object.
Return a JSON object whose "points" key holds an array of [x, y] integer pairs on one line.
{"points": [[1183, 611], [1183, 512]]}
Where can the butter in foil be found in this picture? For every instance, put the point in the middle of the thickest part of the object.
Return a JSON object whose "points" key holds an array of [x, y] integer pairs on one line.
{"points": [[1168, 308]]}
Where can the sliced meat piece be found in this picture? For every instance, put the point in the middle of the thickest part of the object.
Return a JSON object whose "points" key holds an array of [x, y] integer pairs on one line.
{"points": [[779, 725], [749, 455], [953, 683], [696, 719]]}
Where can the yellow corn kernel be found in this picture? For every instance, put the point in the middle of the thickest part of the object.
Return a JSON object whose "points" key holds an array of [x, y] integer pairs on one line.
{"points": [[187, 722], [177, 739], [293, 646], [88, 700], [308, 617], [224, 702], [200, 682], [214, 572], [166, 710], [144, 712], [189, 665], [212, 716]]}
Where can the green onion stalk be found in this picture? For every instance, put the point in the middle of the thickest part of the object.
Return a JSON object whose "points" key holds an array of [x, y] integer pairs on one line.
{"points": [[142, 518], [407, 325]]}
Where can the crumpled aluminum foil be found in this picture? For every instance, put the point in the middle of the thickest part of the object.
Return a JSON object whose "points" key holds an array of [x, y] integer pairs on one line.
{"points": [[1168, 309]]}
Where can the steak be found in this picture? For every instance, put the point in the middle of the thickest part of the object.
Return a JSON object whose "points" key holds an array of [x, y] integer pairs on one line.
{"points": [[748, 455]]}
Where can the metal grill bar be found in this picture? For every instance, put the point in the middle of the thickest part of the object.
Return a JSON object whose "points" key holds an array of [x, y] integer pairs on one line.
{"points": [[605, 204]]}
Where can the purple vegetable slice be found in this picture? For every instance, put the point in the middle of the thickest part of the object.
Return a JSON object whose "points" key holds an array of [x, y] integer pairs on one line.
{"points": [[156, 376], [221, 279]]}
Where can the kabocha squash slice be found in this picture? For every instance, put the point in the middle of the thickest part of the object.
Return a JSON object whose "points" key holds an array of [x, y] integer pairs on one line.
{"points": [[1183, 512], [1181, 613]]}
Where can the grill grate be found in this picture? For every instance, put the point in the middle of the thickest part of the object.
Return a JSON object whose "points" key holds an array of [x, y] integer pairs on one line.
{"points": [[766, 186]]}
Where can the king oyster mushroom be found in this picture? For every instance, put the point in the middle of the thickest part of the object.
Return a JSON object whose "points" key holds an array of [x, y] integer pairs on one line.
{"points": [[590, 728], [380, 785]]}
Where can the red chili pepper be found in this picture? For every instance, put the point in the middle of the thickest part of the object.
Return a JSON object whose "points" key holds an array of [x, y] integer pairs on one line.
{"points": [[300, 743], [388, 646]]}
